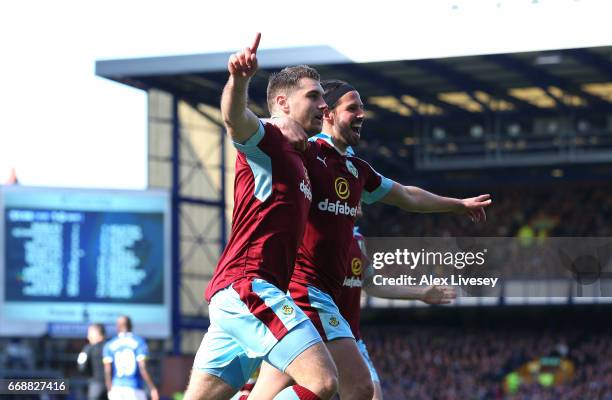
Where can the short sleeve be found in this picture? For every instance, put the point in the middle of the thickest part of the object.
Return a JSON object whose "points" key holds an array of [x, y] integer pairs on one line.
{"points": [[107, 355], [376, 185], [251, 144], [142, 351]]}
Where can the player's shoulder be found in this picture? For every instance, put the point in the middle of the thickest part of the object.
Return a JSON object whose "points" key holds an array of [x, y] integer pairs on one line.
{"points": [[318, 137], [312, 150], [272, 133], [272, 141], [320, 141], [269, 127], [137, 340], [265, 133], [314, 143], [360, 163], [350, 155], [110, 344]]}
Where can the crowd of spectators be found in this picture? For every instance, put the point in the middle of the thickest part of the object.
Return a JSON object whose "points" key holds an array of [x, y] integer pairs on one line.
{"points": [[567, 209], [442, 363], [519, 222], [450, 363]]}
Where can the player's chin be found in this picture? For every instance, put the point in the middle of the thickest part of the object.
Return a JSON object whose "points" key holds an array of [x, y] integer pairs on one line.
{"points": [[354, 135], [316, 125]]}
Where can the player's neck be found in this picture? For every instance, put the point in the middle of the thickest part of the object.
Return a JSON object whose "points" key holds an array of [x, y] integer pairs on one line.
{"points": [[339, 145]]}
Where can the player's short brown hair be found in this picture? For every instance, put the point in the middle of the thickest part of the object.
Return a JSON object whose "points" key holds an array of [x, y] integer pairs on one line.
{"points": [[287, 80]]}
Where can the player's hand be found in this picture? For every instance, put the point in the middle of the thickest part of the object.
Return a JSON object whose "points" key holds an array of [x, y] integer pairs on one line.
{"points": [[474, 207], [292, 131], [243, 64], [438, 295], [154, 394]]}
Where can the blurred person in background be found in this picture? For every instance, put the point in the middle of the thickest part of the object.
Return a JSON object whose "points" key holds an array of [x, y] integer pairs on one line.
{"points": [[90, 362], [125, 366], [18, 355]]}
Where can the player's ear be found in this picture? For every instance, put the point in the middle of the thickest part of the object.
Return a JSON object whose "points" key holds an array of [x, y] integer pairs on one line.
{"points": [[282, 103], [328, 116]]}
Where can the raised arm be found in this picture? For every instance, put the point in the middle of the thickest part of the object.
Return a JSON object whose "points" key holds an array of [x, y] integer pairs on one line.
{"points": [[240, 122], [415, 199]]}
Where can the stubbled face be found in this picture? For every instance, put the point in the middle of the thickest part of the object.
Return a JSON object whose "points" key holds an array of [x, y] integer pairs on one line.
{"points": [[306, 105], [346, 119]]}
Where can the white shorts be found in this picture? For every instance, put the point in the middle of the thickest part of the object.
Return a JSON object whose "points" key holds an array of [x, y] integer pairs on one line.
{"points": [[126, 393]]}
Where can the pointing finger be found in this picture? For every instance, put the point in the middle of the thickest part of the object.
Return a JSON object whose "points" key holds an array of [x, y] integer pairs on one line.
{"points": [[255, 44], [247, 57]]}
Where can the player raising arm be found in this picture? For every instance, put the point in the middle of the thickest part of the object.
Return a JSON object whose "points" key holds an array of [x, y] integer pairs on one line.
{"points": [[251, 316]]}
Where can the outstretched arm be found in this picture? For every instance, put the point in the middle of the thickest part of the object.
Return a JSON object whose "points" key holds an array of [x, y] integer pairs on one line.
{"points": [[426, 294], [240, 122], [412, 198]]}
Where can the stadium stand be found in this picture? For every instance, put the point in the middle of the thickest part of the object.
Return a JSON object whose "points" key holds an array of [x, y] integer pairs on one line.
{"points": [[508, 356], [546, 209]]}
